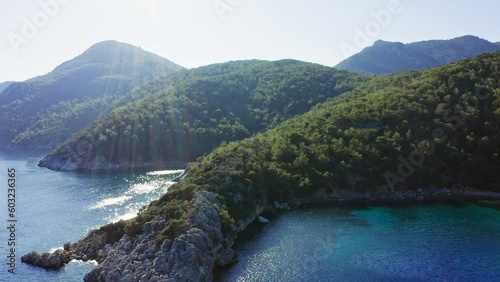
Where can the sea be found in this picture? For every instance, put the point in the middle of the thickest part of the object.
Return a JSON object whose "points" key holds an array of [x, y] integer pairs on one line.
{"points": [[52, 208], [426, 242]]}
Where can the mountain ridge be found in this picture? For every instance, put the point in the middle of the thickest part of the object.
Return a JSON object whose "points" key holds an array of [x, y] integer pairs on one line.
{"points": [[4, 85], [385, 57], [38, 112]]}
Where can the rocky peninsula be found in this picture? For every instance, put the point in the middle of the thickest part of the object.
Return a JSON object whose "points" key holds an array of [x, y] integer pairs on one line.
{"points": [[192, 255]]}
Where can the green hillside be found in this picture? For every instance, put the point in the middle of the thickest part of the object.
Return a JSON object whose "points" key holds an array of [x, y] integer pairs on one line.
{"points": [[398, 133], [193, 111], [48, 109]]}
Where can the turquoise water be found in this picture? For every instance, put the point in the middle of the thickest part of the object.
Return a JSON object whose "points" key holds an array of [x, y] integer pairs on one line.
{"points": [[415, 243], [55, 207]]}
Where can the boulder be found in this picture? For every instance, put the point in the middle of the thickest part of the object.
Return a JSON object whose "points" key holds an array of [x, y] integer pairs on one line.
{"points": [[262, 219]]}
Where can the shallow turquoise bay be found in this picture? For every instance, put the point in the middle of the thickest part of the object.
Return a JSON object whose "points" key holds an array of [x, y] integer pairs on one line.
{"points": [[413, 243]]}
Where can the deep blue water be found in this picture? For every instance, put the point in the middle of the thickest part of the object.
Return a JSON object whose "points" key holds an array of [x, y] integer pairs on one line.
{"points": [[56, 207], [413, 243]]}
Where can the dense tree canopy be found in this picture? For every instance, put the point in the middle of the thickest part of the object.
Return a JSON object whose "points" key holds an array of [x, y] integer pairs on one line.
{"points": [[194, 111], [391, 134], [436, 128]]}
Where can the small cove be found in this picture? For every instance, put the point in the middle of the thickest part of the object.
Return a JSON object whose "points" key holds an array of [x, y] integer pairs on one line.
{"points": [[430, 242]]}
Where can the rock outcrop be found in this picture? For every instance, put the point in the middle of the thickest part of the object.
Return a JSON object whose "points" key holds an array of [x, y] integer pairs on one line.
{"points": [[188, 257], [76, 162], [54, 260]]}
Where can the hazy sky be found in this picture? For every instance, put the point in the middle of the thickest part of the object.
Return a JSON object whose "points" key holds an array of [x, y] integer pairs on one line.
{"points": [[38, 35]]}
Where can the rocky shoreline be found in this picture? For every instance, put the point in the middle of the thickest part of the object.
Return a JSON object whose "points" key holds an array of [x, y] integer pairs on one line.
{"points": [[100, 164], [192, 255], [421, 195], [189, 257]]}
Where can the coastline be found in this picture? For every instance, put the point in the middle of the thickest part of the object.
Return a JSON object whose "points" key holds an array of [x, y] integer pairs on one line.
{"points": [[100, 165], [404, 198], [192, 256]]}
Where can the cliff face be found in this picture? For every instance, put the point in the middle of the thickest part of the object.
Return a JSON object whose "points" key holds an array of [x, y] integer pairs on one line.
{"points": [[189, 257]]}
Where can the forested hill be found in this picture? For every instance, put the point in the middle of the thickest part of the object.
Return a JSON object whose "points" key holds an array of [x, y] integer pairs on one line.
{"points": [[46, 110], [432, 129], [391, 57], [197, 110]]}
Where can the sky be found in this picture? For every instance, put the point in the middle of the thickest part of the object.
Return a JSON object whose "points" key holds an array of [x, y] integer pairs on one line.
{"points": [[38, 35]]}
